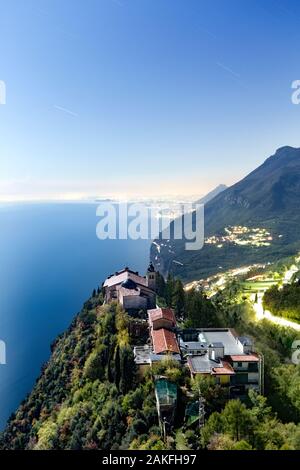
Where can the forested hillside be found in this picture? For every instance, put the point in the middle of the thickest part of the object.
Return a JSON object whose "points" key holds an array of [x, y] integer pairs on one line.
{"points": [[89, 395], [86, 396]]}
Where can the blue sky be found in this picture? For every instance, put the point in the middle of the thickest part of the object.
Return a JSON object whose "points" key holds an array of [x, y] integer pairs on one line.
{"points": [[144, 97]]}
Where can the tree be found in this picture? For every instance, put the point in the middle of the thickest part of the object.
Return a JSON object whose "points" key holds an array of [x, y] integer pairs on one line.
{"points": [[169, 290], [117, 367], [212, 427], [284, 396], [178, 299], [242, 445], [221, 442], [127, 369], [160, 285], [47, 435], [259, 410], [284, 301], [213, 394], [237, 420], [201, 313], [94, 367]]}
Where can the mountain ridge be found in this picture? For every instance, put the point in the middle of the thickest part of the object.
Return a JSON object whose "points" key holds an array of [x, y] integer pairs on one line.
{"points": [[209, 196], [267, 198]]}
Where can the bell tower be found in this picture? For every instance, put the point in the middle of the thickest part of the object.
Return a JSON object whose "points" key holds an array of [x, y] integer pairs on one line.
{"points": [[151, 277]]}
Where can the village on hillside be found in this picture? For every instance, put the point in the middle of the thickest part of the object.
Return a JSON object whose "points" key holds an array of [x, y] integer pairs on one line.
{"points": [[216, 352]]}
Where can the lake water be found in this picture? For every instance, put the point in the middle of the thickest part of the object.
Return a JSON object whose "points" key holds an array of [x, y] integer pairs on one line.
{"points": [[50, 261]]}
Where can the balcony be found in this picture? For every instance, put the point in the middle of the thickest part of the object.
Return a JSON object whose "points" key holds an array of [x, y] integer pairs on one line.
{"points": [[249, 368]]}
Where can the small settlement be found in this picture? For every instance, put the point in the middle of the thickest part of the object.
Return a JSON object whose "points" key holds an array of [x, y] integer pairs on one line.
{"points": [[219, 352]]}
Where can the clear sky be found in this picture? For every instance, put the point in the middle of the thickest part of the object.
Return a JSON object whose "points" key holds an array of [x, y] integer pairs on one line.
{"points": [[143, 96]]}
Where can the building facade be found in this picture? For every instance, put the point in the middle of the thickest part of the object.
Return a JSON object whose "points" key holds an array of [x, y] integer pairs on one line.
{"points": [[131, 290], [221, 353], [217, 352]]}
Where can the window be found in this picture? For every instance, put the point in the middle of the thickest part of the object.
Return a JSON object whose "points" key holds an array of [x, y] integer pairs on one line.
{"points": [[242, 379], [253, 379], [253, 367]]}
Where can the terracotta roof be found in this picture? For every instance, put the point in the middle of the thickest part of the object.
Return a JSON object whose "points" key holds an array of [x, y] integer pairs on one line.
{"points": [[225, 370], [164, 341], [161, 313], [245, 358]]}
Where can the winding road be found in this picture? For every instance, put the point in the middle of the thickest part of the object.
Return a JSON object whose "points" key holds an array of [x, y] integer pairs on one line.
{"points": [[261, 314]]}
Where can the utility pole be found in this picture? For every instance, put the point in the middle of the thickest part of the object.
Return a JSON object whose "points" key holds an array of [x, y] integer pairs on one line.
{"points": [[164, 422], [201, 410], [262, 373]]}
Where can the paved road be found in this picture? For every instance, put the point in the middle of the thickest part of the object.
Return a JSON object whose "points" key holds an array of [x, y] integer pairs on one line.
{"points": [[261, 314]]}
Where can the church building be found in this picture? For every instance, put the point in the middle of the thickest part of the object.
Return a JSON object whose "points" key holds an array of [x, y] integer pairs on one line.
{"points": [[133, 291]]}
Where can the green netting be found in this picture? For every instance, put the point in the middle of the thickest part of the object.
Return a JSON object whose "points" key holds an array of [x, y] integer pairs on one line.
{"points": [[166, 391]]}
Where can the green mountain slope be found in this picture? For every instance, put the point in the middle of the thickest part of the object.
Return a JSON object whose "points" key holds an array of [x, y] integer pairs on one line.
{"points": [[268, 198], [90, 395], [87, 396]]}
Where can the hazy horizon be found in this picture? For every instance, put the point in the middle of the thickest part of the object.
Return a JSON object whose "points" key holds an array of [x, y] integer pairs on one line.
{"points": [[125, 98]]}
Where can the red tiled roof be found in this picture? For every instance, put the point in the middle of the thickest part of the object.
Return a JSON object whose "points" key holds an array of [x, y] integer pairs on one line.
{"points": [[164, 341], [225, 370], [161, 313], [245, 358]]}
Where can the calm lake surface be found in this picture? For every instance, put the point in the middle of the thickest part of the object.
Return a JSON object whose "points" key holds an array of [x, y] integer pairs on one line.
{"points": [[50, 261]]}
